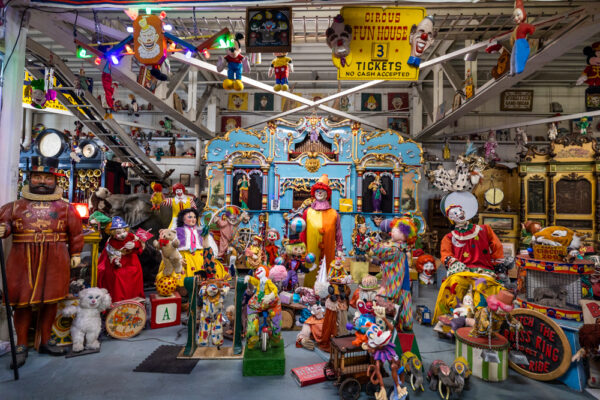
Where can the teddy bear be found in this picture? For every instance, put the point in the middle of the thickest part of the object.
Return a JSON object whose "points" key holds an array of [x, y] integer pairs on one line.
{"points": [[87, 324], [168, 244], [99, 201]]}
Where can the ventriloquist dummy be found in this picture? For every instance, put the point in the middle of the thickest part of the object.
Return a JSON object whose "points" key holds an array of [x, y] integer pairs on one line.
{"points": [[323, 235], [179, 202], [47, 239], [119, 268], [469, 247]]}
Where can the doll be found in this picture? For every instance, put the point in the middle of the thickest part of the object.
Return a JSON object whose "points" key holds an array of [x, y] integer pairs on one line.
{"points": [[589, 340], [227, 224], [518, 39], [296, 253], [490, 148], [236, 62], [490, 319], [426, 268], [337, 271], [157, 196], [264, 303], [119, 268], [446, 152], [243, 186], [271, 248], [364, 301], [312, 328], [583, 126], [281, 65], [377, 193], [360, 242], [213, 294]]}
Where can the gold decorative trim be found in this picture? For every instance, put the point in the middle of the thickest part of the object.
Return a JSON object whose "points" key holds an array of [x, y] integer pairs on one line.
{"points": [[380, 146], [304, 184], [253, 146]]}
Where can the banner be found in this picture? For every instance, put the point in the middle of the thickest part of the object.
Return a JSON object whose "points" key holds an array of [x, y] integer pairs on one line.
{"points": [[379, 42], [141, 3]]}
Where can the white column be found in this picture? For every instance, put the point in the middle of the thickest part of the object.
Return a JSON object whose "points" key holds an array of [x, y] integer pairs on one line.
{"points": [[211, 124], [472, 66], [438, 88], [11, 116], [416, 112]]}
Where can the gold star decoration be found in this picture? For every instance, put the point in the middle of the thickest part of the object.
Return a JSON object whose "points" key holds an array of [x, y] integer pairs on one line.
{"points": [[466, 254]]}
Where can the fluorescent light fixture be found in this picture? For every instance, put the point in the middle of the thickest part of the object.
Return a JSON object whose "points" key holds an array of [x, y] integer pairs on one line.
{"points": [[130, 29], [114, 59], [188, 54]]}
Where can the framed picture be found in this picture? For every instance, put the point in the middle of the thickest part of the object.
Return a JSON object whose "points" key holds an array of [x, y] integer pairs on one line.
{"points": [[237, 101], [592, 98], [516, 100], [456, 101], [268, 29], [509, 249], [263, 102], [398, 124], [229, 123], [370, 102], [499, 223], [185, 179], [398, 102]]}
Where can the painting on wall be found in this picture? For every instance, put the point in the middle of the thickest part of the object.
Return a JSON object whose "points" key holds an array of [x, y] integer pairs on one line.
{"points": [[398, 102], [398, 124], [263, 102], [237, 101], [230, 122], [370, 102]]}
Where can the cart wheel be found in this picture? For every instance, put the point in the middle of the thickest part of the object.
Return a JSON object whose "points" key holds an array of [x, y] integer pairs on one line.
{"points": [[287, 320], [371, 389], [350, 389]]}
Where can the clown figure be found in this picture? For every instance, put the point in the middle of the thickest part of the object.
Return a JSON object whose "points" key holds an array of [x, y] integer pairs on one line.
{"points": [[181, 201], [213, 294], [296, 253], [271, 248], [264, 303], [426, 268], [518, 39], [421, 37]]}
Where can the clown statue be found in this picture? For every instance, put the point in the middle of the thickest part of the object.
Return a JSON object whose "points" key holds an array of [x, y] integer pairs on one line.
{"points": [[271, 248], [236, 62], [394, 264], [518, 39], [323, 235], [264, 303], [469, 247], [281, 65], [210, 332], [119, 268], [425, 267], [181, 201], [42, 225], [378, 192], [421, 37]]}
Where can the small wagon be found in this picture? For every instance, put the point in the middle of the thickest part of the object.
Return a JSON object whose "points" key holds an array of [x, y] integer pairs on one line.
{"points": [[349, 364]]}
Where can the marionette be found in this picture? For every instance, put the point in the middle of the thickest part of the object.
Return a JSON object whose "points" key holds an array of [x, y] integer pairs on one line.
{"points": [[281, 66], [109, 90], [338, 38], [336, 310], [37, 267], [337, 271], [469, 247], [172, 148], [376, 187], [518, 39], [521, 140], [119, 268], [271, 248], [39, 95], [264, 307], [147, 149], [360, 242], [180, 201], [395, 266], [420, 39], [492, 317], [323, 235], [243, 186], [236, 62], [227, 223], [134, 107], [490, 148]]}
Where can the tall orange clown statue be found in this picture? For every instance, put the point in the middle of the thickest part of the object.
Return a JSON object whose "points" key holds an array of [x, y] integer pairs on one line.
{"points": [[323, 235], [47, 239]]}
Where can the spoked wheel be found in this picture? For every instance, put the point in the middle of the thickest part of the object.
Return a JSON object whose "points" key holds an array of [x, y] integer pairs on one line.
{"points": [[371, 389], [350, 389], [264, 340]]}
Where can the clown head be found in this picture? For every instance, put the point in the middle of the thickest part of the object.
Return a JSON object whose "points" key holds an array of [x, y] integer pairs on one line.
{"points": [[426, 268], [296, 249], [362, 229], [377, 338], [338, 37], [148, 36], [371, 103], [321, 190], [178, 189], [272, 235], [261, 273], [421, 37], [456, 215], [402, 230], [519, 15], [254, 257], [337, 263]]}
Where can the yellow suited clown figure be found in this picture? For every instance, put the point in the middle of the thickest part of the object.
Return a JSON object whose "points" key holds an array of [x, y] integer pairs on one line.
{"points": [[181, 201], [323, 235]]}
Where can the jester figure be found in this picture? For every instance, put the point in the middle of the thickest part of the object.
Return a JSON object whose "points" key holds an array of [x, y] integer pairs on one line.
{"points": [[213, 295], [394, 265], [377, 193], [264, 309]]}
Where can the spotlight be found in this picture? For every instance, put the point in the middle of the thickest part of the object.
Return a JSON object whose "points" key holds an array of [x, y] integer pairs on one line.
{"points": [[130, 29], [188, 54], [114, 59]]}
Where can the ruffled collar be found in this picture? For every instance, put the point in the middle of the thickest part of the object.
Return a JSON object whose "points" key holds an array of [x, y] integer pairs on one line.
{"points": [[57, 195]]}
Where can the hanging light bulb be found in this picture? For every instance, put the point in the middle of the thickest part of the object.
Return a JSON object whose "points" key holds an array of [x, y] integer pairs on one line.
{"points": [[188, 54], [130, 29], [114, 59], [168, 27]]}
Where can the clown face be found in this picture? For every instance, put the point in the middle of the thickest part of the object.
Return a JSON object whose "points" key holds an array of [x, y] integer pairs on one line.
{"points": [[212, 290], [148, 39], [119, 234], [429, 268], [38, 97], [178, 192], [517, 16], [376, 337], [421, 37], [457, 215], [398, 236], [365, 306], [272, 236], [261, 273], [297, 250], [320, 195], [467, 300]]}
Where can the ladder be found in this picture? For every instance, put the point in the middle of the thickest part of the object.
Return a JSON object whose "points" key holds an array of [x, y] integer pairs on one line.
{"points": [[89, 111]]}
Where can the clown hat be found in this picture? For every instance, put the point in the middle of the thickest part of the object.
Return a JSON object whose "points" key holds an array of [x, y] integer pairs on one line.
{"points": [[118, 223], [257, 238], [44, 164], [38, 84], [519, 4], [323, 184], [368, 283]]}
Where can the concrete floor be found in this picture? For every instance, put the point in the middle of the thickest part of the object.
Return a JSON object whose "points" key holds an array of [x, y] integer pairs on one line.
{"points": [[109, 374]]}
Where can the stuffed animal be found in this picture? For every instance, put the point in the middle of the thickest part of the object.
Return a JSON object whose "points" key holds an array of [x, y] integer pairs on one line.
{"points": [[338, 37], [591, 73], [557, 236], [99, 201], [413, 368], [87, 324], [157, 197], [464, 177], [281, 66], [168, 243], [236, 62]]}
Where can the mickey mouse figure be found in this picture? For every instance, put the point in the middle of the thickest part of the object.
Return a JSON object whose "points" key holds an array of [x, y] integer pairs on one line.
{"points": [[591, 73], [235, 63]]}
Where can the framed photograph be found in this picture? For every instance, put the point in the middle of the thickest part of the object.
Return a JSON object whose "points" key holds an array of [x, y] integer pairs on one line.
{"points": [[264, 102], [516, 100], [456, 101], [185, 179], [499, 223], [398, 124], [509, 249], [237, 101], [592, 98], [268, 29], [229, 123], [370, 102], [398, 102]]}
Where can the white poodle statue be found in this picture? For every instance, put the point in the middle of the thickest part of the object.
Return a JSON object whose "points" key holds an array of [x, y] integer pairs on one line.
{"points": [[88, 321]]}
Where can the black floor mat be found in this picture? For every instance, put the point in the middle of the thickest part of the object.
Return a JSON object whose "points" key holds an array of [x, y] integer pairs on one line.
{"points": [[164, 360]]}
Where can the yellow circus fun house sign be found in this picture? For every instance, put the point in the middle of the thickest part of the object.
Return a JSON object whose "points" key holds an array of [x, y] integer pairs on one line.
{"points": [[370, 43]]}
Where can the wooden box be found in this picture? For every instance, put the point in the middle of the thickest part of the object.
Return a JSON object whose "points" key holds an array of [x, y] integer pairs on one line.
{"points": [[165, 311]]}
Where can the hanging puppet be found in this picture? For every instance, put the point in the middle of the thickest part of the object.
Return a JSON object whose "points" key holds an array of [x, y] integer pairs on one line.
{"points": [[281, 66], [39, 95], [518, 39], [490, 148], [421, 37], [236, 63], [377, 193], [109, 90]]}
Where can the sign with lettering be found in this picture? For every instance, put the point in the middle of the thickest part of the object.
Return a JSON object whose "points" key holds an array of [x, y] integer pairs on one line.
{"points": [[516, 100], [379, 40], [543, 342]]}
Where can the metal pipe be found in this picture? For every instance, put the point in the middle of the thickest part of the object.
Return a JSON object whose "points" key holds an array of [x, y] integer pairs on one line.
{"points": [[27, 129]]}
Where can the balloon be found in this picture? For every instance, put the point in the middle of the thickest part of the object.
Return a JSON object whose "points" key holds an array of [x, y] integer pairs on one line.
{"points": [[297, 225], [279, 261], [310, 258]]}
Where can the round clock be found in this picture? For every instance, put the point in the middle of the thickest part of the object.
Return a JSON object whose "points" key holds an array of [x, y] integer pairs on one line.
{"points": [[51, 143], [89, 149], [494, 196]]}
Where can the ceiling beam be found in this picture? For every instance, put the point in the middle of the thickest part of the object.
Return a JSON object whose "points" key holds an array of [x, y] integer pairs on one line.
{"points": [[572, 35]]}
